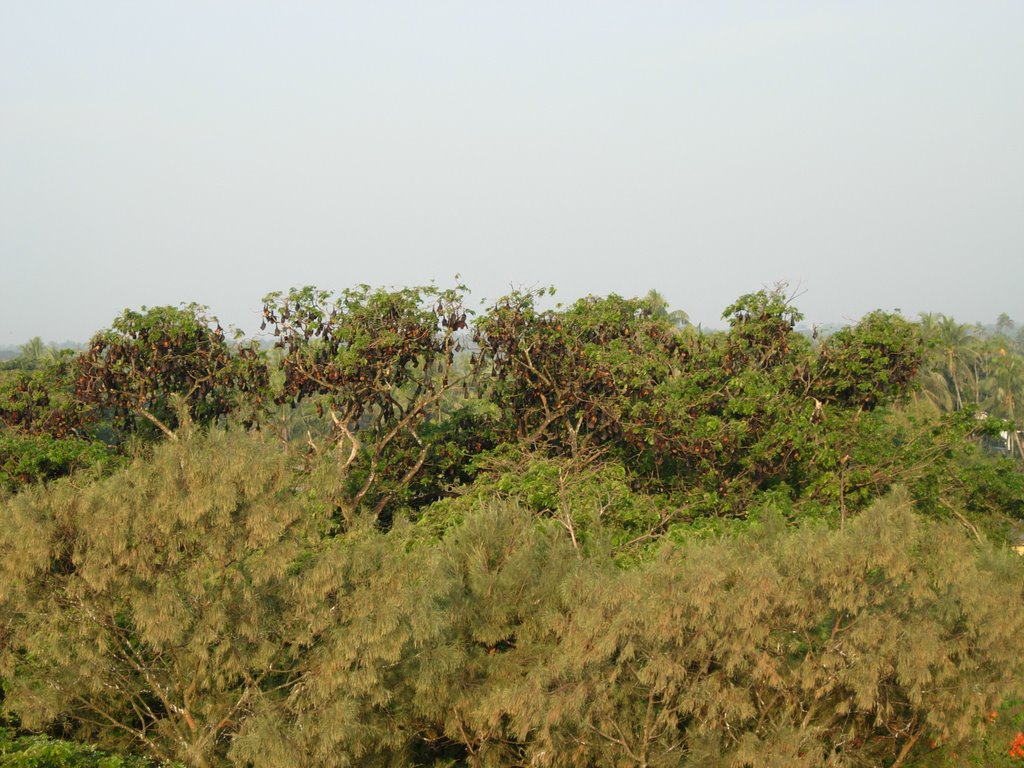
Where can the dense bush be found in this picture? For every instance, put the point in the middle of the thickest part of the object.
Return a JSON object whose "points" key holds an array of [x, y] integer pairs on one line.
{"points": [[44, 752], [197, 607], [26, 459]]}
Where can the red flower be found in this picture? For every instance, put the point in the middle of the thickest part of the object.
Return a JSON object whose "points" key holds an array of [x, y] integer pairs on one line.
{"points": [[1017, 747]]}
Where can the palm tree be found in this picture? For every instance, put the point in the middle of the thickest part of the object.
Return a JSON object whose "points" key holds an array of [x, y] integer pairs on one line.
{"points": [[35, 351], [934, 389], [1006, 382], [659, 309], [953, 355], [954, 341]]}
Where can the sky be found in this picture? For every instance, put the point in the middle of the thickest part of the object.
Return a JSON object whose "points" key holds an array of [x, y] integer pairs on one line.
{"points": [[869, 154]]}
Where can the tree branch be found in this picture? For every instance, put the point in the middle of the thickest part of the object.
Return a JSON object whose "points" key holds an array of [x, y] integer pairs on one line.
{"points": [[159, 424]]}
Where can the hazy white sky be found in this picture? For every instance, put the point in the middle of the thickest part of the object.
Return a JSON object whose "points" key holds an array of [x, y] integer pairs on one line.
{"points": [[159, 152]]}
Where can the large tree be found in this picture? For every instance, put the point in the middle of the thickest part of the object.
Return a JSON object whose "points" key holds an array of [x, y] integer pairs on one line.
{"points": [[379, 363], [155, 608], [135, 369]]}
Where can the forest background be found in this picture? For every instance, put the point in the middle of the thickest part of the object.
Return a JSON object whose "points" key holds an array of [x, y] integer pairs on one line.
{"points": [[590, 535]]}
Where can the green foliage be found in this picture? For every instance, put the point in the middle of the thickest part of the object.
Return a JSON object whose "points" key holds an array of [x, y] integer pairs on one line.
{"points": [[871, 363], [37, 458], [458, 443], [1002, 731], [41, 401], [991, 487], [762, 325], [589, 497], [45, 433], [44, 752]]}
